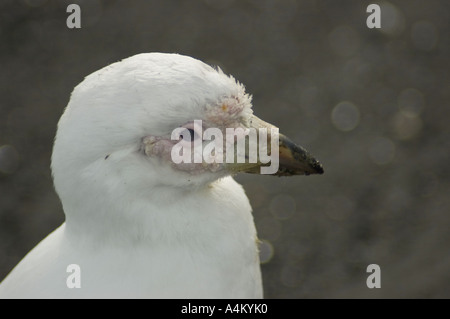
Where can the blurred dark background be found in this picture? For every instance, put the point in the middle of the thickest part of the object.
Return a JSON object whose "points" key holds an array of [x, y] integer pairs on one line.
{"points": [[371, 104]]}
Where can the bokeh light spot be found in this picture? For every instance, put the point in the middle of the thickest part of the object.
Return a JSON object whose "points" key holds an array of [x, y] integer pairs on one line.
{"points": [[266, 251], [392, 19], [406, 127], [345, 116]]}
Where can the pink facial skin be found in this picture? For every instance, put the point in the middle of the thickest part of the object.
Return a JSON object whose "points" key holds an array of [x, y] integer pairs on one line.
{"points": [[161, 147], [229, 112]]}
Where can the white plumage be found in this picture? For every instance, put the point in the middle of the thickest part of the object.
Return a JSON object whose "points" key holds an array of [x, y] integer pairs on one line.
{"points": [[136, 224]]}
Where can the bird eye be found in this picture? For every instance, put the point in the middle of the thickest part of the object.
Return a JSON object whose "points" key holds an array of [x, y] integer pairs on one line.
{"points": [[192, 134], [189, 135]]}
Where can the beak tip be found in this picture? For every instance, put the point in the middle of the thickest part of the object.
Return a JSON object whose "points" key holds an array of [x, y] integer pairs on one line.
{"points": [[311, 169], [314, 168], [317, 167]]}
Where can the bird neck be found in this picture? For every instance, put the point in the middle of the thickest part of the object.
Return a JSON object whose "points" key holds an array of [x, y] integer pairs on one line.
{"points": [[166, 215]]}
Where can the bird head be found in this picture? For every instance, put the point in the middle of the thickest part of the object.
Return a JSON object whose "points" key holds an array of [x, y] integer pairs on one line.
{"points": [[128, 124]]}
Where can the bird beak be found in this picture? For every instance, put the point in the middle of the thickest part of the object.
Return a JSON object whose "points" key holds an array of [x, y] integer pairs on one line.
{"points": [[288, 158]]}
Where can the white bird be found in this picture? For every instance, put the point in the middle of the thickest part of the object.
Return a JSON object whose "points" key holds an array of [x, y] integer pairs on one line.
{"points": [[137, 224]]}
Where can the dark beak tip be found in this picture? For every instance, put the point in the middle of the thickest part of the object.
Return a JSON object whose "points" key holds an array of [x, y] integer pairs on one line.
{"points": [[318, 168], [311, 169]]}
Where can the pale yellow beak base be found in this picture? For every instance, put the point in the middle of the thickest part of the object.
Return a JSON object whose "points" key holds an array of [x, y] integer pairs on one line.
{"points": [[293, 159]]}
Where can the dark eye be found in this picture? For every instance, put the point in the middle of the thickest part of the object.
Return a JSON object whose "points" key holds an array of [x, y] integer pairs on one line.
{"points": [[189, 135], [192, 134]]}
